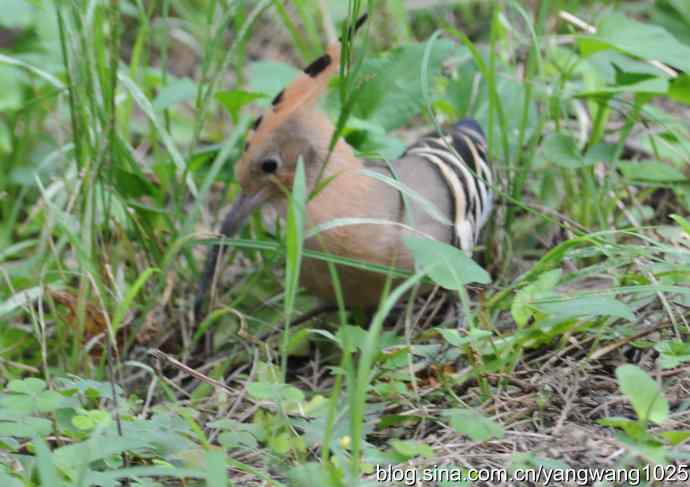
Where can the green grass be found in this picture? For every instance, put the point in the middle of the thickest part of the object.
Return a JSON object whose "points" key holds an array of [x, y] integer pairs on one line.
{"points": [[120, 122]]}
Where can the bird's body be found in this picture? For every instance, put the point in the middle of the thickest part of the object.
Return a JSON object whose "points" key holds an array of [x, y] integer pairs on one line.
{"points": [[445, 178], [355, 194]]}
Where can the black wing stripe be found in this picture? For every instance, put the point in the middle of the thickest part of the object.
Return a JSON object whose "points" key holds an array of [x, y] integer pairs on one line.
{"points": [[461, 159]]}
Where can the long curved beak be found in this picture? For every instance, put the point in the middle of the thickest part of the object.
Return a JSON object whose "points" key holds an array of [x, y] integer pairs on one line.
{"points": [[241, 209]]}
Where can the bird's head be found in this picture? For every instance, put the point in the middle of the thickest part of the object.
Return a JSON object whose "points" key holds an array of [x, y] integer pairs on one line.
{"points": [[292, 128]]}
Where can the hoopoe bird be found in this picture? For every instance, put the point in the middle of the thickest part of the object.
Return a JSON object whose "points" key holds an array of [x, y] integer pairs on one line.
{"points": [[449, 170]]}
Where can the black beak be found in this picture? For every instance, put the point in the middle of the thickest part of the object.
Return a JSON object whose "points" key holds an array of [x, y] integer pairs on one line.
{"points": [[241, 209]]}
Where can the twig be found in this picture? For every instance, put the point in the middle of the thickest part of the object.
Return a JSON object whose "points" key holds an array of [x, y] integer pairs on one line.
{"points": [[185, 368], [623, 341]]}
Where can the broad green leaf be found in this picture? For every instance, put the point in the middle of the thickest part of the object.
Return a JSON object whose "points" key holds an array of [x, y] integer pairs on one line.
{"points": [[235, 100], [673, 353], [30, 386], [353, 336], [269, 78], [311, 474], [454, 337], [24, 427], [675, 437], [633, 429], [175, 92], [586, 306], [131, 184], [658, 86], [611, 64], [77, 455], [412, 448], [644, 393], [653, 171], [5, 138], [216, 468], [561, 149], [242, 439], [474, 424], [684, 224], [391, 87], [680, 89], [7, 481], [448, 266], [603, 152], [644, 40], [522, 307], [47, 471], [17, 14], [674, 16], [371, 140], [274, 392]]}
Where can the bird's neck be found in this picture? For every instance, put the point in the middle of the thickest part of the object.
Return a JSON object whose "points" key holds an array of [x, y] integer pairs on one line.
{"points": [[343, 191]]}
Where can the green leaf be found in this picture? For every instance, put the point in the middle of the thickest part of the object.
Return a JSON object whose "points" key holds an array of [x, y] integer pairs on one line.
{"points": [[684, 224], [17, 14], [675, 437], [391, 86], [7, 481], [23, 427], [83, 422], [30, 386], [236, 439], [657, 86], [274, 392], [603, 152], [412, 448], [680, 89], [46, 466], [175, 92], [311, 475], [652, 171], [454, 337], [643, 392], [474, 424], [673, 353], [354, 336], [216, 468], [235, 100], [269, 78], [561, 149], [522, 307], [447, 265], [644, 40], [5, 138], [587, 306], [633, 429], [131, 184]]}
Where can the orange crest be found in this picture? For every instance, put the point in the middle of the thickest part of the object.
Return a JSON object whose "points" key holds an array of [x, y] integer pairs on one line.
{"points": [[302, 93]]}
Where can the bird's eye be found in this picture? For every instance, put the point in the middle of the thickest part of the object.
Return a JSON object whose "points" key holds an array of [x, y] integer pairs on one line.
{"points": [[269, 166]]}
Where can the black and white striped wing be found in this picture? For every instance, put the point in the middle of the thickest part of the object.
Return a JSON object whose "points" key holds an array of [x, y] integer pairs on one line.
{"points": [[460, 156]]}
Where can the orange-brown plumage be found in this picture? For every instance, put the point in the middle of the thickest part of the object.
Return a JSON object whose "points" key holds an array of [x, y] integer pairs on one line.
{"points": [[448, 171]]}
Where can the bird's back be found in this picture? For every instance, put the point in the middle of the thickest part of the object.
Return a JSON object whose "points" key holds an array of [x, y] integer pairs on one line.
{"points": [[450, 170]]}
